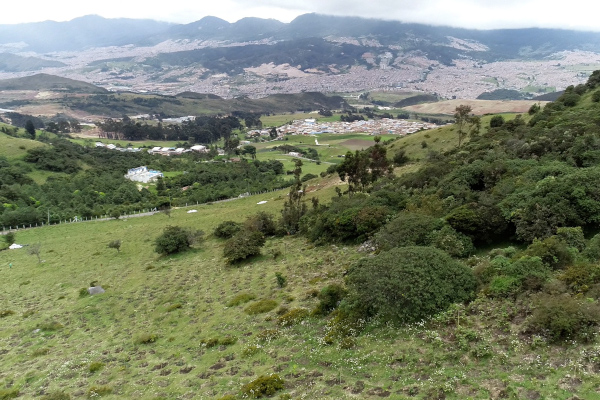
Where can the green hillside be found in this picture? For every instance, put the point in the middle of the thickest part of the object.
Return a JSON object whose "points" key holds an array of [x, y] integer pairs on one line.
{"points": [[438, 270], [14, 63], [49, 82], [14, 148]]}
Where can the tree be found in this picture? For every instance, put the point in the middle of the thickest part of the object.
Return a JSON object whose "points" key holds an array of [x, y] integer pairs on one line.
{"points": [[294, 207], [231, 144], [115, 244], [10, 238], [273, 133], [35, 250], [466, 123], [408, 284], [30, 128], [534, 109], [496, 121], [249, 149], [355, 167], [362, 168]]}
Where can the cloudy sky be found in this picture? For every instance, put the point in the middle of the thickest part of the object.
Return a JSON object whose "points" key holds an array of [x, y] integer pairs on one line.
{"points": [[479, 14]]}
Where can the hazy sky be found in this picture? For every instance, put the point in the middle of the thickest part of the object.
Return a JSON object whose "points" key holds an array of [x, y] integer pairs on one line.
{"points": [[481, 14]]}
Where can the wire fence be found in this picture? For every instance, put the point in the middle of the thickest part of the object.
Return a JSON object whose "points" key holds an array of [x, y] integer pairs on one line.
{"points": [[106, 217]]}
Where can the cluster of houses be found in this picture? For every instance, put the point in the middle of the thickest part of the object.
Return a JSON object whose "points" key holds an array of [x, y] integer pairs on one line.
{"points": [[111, 146], [165, 151], [374, 127], [168, 151]]}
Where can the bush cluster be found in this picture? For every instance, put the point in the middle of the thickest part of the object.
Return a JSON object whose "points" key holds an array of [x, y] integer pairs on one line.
{"points": [[329, 298], [408, 284], [227, 229], [563, 317], [414, 229], [293, 317], [240, 298], [175, 239], [264, 385], [261, 307], [244, 244]]}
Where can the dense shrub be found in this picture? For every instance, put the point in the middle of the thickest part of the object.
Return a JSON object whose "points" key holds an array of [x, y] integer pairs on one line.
{"points": [[573, 237], [308, 177], [145, 338], [408, 284], [240, 299], [483, 223], [553, 252], [292, 317], [329, 298], [262, 222], [9, 393], [95, 366], [592, 250], [581, 276], [454, 243], [264, 385], [509, 278], [563, 317], [175, 239], [345, 219], [407, 229], [98, 391], [56, 396], [261, 306], [227, 229], [244, 244]]}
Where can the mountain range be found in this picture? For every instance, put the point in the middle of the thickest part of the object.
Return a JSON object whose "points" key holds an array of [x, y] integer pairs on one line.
{"points": [[94, 31], [313, 53]]}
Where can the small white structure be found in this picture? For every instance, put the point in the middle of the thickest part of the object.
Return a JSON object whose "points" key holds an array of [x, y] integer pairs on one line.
{"points": [[143, 174], [199, 148]]}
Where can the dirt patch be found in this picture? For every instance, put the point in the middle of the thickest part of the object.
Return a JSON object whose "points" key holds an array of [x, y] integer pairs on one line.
{"points": [[218, 365], [356, 144]]}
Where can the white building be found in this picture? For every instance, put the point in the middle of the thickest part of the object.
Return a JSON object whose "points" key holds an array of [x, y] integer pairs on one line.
{"points": [[143, 174]]}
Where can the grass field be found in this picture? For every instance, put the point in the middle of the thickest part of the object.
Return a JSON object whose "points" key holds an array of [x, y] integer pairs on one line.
{"points": [[15, 148], [391, 97], [165, 328], [282, 119]]}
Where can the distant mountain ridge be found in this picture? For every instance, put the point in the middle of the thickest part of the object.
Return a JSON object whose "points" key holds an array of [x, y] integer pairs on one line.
{"points": [[94, 31]]}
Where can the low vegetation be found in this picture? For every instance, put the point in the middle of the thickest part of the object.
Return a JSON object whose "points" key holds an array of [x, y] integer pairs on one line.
{"points": [[473, 274]]}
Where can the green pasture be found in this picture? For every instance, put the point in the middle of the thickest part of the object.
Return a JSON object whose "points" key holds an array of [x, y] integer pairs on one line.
{"points": [[15, 148], [165, 327]]}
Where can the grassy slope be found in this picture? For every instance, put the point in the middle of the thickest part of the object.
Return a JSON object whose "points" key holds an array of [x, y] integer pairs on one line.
{"points": [[440, 139], [15, 148], [144, 292]]}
